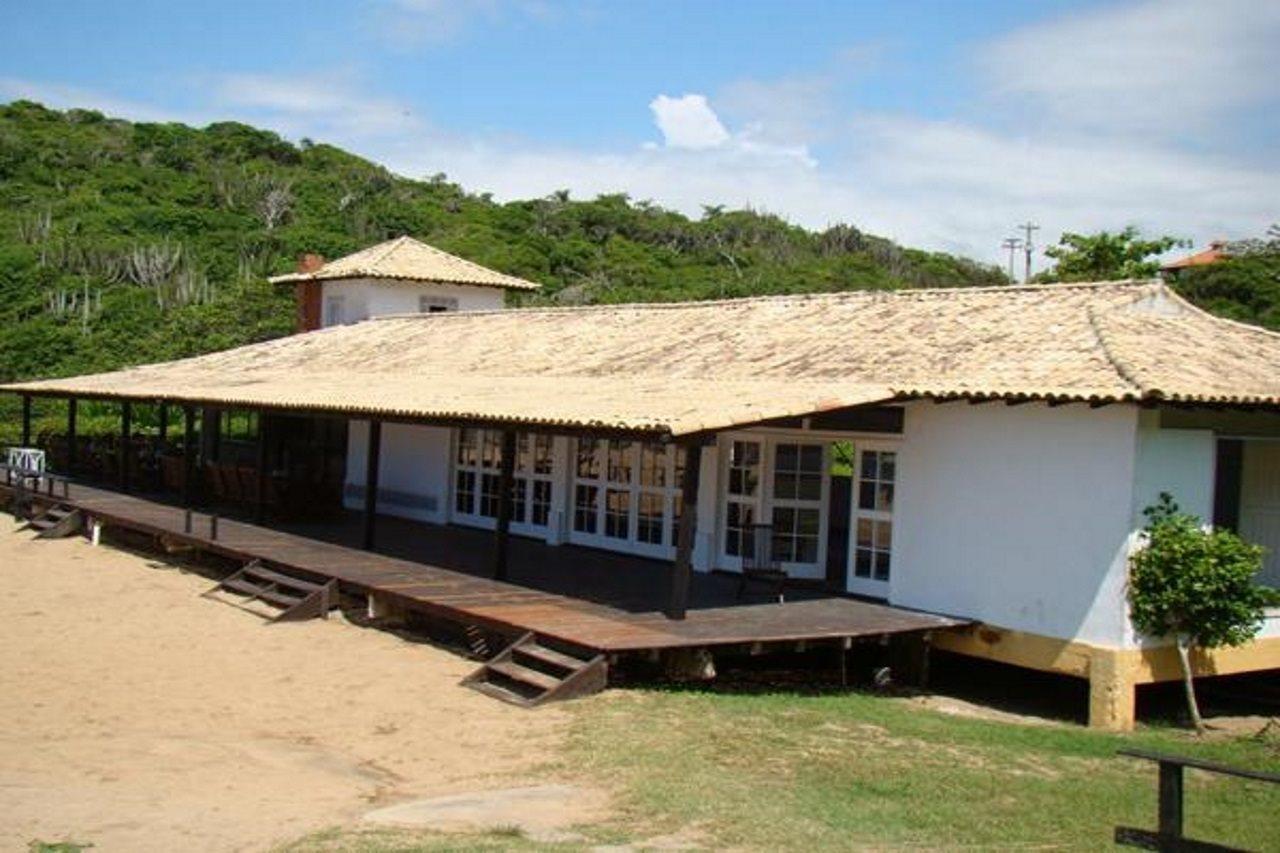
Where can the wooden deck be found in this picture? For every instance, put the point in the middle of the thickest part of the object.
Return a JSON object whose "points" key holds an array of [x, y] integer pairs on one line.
{"points": [[439, 571]]}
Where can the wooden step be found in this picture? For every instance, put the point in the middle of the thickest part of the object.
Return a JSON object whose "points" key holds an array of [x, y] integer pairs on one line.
{"points": [[57, 521], [549, 656], [524, 674], [272, 596], [298, 598], [260, 572], [529, 673]]}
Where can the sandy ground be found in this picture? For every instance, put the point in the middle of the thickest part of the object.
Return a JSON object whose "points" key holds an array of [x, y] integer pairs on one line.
{"points": [[139, 716]]}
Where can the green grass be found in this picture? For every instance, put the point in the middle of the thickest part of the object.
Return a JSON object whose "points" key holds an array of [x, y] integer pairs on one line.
{"points": [[782, 771]]}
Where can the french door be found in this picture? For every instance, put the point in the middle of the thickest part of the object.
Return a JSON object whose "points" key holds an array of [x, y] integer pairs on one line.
{"points": [[626, 495], [476, 477], [782, 482]]}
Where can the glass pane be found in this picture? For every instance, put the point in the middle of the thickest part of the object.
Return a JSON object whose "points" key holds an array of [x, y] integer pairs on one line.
{"points": [[489, 495], [811, 457], [785, 457], [784, 519], [542, 454], [882, 566], [649, 527], [745, 454], [465, 493], [518, 491], [620, 461], [784, 486], [491, 448], [782, 549], [584, 508], [884, 535], [865, 530], [866, 494], [617, 514], [888, 466], [653, 465], [884, 497], [588, 459], [466, 447], [810, 487], [808, 522], [862, 564], [541, 506], [807, 549], [522, 452], [869, 465]]}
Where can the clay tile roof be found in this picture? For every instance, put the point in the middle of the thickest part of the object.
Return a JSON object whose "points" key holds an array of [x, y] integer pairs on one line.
{"points": [[407, 259], [680, 368]]}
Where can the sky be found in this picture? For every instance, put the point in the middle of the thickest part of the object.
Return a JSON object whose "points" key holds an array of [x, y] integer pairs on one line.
{"points": [[939, 124]]}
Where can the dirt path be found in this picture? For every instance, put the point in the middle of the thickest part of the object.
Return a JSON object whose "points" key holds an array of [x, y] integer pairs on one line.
{"points": [[139, 716]]}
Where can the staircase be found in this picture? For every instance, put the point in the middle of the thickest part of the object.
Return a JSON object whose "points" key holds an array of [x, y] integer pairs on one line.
{"points": [[529, 672], [56, 522], [297, 598]]}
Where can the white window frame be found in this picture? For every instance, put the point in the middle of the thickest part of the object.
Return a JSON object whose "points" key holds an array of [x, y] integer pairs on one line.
{"points": [[520, 524], [871, 586], [766, 501], [631, 544]]}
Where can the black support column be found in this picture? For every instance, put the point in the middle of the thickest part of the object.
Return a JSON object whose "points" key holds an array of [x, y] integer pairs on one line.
{"points": [[126, 435], [682, 569], [260, 511], [72, 416], [26, 420], [372, 456], [188, 455], [506, 488]]}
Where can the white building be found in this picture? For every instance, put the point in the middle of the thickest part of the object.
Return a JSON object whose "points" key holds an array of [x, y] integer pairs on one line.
{"points": [[981, 453]]}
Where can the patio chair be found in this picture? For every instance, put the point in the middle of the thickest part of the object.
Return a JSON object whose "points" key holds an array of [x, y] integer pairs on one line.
{"points": [[760, 565]]}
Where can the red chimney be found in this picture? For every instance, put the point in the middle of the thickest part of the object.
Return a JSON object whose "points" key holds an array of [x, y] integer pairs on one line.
{"points": [[306, 294]]}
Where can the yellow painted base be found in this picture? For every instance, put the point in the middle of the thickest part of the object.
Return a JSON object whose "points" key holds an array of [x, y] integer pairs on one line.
{"points": [[1113, 673]]}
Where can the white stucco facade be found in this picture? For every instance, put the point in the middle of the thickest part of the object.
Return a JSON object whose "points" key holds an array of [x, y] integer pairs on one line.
{"points": [[1022, 517], [352, 300]]}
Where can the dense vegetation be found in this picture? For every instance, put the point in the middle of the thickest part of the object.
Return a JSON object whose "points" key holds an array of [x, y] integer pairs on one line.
{"points": [[123, 243]]}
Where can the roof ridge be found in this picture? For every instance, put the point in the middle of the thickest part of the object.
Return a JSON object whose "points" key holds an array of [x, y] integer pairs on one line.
{"points": [[1123, 369], [827, 295]]}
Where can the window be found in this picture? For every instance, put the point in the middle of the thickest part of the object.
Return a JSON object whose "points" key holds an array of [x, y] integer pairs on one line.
{"points": [[873, 534], [477, 477], [436, 304], [627, 492]]}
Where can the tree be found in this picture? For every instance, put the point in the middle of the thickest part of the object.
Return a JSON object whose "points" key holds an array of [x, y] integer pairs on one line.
{"points": [[1104, 256], [1195, 585]]}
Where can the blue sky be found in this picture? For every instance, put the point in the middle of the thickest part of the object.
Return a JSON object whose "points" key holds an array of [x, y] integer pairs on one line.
{"points": [[937, 123]]}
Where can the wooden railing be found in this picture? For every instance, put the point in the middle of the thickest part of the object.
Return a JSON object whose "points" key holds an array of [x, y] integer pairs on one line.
{"points": [[1168, 836]]}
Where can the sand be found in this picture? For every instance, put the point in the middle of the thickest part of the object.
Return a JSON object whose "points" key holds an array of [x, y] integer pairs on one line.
{"points": [[139, 716]]}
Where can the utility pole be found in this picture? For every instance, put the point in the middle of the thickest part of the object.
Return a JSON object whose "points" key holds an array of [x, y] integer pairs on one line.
{"points": [[1028, 227], [1012, 244]]}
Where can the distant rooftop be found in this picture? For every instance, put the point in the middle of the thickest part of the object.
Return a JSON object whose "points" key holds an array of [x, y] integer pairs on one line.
{"points": [[1211, 255], [407, 259]]}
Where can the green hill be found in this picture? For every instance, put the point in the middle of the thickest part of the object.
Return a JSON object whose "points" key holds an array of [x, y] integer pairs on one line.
{"points": [[123, 243]]}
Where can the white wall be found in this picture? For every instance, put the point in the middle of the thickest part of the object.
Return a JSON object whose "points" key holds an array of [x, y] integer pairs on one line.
{"points": [[413, 470], [1019, 516], [365, 298], [1178, 461]]}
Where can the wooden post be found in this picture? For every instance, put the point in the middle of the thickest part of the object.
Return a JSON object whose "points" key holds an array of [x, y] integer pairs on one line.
{"points": [[1170, 808], [162, 440], [682, 568], [506, 487], [26, 420], [188, 455], [72, 413], [372, 454], [260, 511], [126, 431]]}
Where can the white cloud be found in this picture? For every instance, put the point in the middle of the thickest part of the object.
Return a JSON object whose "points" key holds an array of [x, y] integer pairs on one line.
{"points": [[688, 122], [1172, 64], [315, 105]]}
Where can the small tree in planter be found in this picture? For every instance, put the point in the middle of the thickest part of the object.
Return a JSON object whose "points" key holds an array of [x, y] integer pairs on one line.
{"points": [[1196, 586]]}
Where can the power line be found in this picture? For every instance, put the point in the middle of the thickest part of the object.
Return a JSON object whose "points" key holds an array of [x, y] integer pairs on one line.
{"points": [[1012, 244], [1027, 227]]}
